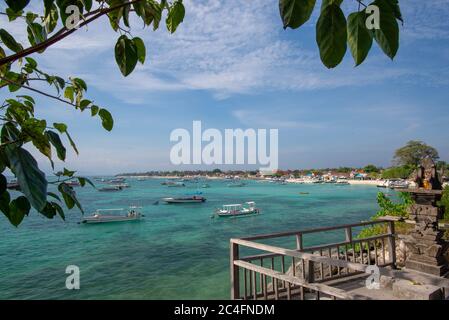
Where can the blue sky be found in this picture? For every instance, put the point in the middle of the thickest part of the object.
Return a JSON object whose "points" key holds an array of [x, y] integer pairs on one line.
{"points": [[231, 65]]}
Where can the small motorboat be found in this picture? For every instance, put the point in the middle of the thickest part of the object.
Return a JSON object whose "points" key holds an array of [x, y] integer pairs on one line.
{"points": [[111, 215], [236, 185], [236, 210], [192, 199], [111, 189], [342, 182]]}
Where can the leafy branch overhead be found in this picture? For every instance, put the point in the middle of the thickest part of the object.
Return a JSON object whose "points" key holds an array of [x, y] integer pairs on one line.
{"points": [[375, 21], [21, 75]]}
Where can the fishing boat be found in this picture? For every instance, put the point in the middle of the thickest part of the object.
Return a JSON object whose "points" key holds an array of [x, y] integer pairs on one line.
{"points": [[114, 215], [341, 182], [110, 189], [236, 185], [192, 199], [117, 181], [236, 210]]}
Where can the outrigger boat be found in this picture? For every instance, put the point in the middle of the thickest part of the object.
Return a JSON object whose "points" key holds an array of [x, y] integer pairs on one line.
{"points": [[236, 210], [193, 199], [106, 215]]}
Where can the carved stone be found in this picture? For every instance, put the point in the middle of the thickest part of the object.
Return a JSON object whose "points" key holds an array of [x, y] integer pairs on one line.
{"points": [[427, 246]]}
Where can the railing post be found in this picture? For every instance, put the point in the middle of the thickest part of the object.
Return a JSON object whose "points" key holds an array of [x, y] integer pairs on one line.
{"points": [[235, 284], [299, 244], [392, 242], [348, 233], [310, 271]]}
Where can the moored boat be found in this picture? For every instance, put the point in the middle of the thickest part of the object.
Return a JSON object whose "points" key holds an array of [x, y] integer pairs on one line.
{"points": [[110, 215], [192, 199], [236, 210], [110, 189]]}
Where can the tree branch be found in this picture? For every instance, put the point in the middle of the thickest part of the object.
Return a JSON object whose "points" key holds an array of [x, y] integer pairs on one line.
{"points": [[61, 34], [38, 91]]}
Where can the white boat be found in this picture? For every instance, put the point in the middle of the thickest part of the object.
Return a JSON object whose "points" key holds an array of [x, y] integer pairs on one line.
{"points": [[341, 182], [114, 215], [235, 210], [193, 199]]}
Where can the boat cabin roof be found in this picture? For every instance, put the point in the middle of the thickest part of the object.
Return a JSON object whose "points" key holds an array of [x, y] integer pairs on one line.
{"points": [[231, 205]]}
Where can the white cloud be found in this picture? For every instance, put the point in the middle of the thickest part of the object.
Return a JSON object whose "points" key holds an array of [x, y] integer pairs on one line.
{"points": [[227, 47]]}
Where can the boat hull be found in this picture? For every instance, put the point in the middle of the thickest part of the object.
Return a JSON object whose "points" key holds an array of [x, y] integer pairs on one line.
{"points": [[106, 219], [172, 201]]}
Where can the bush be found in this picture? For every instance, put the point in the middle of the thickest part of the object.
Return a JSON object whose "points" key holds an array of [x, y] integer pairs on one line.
{"points": [[389, 208]]}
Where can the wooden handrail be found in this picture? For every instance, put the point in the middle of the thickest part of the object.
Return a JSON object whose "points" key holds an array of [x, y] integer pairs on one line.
{"points": [[317, 230], [334, 292]]}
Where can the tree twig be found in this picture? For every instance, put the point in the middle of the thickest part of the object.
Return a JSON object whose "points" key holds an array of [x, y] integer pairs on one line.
{"points": [[61, 34]]}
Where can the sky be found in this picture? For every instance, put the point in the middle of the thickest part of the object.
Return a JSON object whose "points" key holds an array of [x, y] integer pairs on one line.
{"points": [[232, 65]]}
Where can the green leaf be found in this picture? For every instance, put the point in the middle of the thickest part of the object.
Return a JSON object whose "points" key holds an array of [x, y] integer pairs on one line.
{"points": [[83, 180], [94, 110], [69, 93], [4, 68], [69, 196], [58, 209], [18, 208], [28, 98], [54, 195], [141, 51], [55, 140], [80, 83], [84, 104], [126, 10], [106, 119], [325, 3], [331, 35], [394, 4], [61, 127], [87, 4], [388, 35], [3, 183], [31, 179], [51, 18], [360, 39], [295, 13], [17, 5], [36, 34], [68, 173], [175, 16], [48, 4], [5, 198], [9, 41], [72, 143], [126, 55], [12, 15]]}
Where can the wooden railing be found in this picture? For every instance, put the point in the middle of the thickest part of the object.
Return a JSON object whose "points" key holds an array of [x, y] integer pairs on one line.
{"points": [[302, 273]]}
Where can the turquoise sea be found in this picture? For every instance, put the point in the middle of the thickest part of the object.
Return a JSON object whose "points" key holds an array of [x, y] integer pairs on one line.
{"points": [[176, 252]]}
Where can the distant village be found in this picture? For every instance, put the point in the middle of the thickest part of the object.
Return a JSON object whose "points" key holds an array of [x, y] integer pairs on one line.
{"points": [[367, 175]]}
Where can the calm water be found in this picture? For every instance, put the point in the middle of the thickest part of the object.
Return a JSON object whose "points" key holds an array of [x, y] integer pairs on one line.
{"points": [[177, 252]]}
